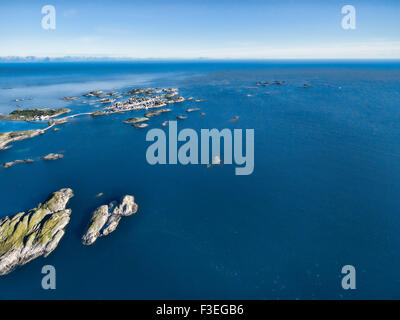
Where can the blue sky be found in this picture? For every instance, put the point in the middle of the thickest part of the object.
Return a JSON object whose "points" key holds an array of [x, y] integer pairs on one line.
{"points": [[285, 29]]}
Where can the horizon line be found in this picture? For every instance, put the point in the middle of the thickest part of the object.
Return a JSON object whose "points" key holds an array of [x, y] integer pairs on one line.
{"points": [[88, 58]]}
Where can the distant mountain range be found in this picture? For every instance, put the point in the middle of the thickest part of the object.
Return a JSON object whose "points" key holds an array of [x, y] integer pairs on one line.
{"points": [[58, 59], [81, 58]]}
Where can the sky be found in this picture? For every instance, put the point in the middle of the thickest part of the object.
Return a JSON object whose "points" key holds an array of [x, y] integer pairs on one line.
{"points": [[191, 29]]}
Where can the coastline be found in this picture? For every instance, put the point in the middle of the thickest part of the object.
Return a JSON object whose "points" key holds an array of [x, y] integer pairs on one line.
{"points": [[139, 99]]}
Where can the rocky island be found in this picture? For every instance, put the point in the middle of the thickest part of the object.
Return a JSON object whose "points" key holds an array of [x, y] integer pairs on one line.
{"points": [[70, 98], [53, 156], [143, 99], [140, 125], [12, 163], [156, 113], [266, 83], [28, 235], [136, 120], [34, 114], [12, 136], [192, 110], [105, 219], [138, 99]]}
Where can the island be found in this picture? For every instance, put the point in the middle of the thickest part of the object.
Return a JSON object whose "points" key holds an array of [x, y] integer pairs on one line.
{"points": [[138, 99], [106, 218], [34, 114], [53, 156], [12, 136], [192, 110], [266, 83], [143, 99], [93, 93], [156, 113], [12, 163], [136, 120], [37, 232], [140, 125]]}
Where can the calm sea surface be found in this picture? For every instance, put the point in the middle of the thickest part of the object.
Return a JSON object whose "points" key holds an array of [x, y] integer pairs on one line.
{"points": [[325, 191]]}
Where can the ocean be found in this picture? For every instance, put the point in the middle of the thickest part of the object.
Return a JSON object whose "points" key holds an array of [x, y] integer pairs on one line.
{"points": [[324, 192]]}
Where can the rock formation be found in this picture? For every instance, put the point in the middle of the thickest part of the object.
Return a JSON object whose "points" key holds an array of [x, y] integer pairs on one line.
{"points": [[53, 156], [12, 163], [12, 136], [140, 125], [192, 110], [105, 219], [28, 235], [136, 120]]}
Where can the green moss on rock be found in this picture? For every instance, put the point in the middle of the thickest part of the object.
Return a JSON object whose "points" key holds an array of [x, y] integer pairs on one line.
{"points": [[26, 236]]}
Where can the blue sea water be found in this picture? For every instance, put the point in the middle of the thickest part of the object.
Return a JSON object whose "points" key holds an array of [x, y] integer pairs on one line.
{"points": [[324, 192]]}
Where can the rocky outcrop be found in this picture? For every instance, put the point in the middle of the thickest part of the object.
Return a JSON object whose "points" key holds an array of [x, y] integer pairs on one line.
{"points": [[70, 98], [140, 125], [98, 113], [28, 235], [12, 163], [192, 110], [58, 121], [105, 219], [93, 93], [12, 136], [216, 160], [53, 156], [156, 113], [136, 120]]}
